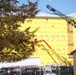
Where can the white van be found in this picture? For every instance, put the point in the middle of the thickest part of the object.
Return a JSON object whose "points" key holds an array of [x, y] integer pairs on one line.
{"points": [[47, 70]]}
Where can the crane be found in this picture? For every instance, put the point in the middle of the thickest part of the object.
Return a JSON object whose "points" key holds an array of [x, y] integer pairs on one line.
{"points": [[68, 19], [60, 58]]}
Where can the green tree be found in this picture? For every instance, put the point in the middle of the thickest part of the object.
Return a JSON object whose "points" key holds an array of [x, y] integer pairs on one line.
{"points": [[15, 44]]}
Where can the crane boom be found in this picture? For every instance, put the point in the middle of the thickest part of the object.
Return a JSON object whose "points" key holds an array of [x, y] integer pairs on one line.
{"points": [[56, 12], [68, 19], [60, 58]]}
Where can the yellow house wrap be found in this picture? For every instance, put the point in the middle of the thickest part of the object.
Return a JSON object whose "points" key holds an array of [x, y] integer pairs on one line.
{"points": [[57, 39]]}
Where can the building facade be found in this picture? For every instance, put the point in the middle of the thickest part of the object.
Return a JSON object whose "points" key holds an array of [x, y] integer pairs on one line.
{"points": [[56, 39]]}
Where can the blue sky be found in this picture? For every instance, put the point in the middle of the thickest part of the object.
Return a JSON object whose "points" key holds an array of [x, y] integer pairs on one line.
{"points": [[64, 6]]}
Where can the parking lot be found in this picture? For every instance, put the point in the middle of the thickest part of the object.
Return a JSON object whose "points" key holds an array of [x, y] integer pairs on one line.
{"points": [[38, 70]]}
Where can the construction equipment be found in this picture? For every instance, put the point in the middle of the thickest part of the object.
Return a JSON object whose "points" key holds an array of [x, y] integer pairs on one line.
{"points": [[68, 19], [60, 58]]}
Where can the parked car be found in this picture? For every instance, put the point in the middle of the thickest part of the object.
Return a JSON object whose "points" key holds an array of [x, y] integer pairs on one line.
{"points": [[11, 71], [48, 72], [32, 70]]}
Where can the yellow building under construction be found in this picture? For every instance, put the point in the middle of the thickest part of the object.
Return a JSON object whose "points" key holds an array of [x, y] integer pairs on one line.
{"points": [[56, 39]]}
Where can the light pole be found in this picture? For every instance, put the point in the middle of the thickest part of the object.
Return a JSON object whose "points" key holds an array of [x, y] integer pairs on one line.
{"points": [[58, 70]]}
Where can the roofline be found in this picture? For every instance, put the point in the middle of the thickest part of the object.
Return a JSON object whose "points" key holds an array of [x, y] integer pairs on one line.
{"points": [[74, 51]]}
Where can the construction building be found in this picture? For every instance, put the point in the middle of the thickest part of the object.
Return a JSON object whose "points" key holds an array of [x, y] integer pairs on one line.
{"points": [[55, 39]]}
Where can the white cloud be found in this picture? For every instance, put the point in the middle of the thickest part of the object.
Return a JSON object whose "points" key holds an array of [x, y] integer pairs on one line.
{"points": [[72, 15], [49, 0]]}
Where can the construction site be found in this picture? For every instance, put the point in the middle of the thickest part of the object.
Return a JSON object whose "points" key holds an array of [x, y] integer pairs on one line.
{"points": [[37, 41], [54, 39]]}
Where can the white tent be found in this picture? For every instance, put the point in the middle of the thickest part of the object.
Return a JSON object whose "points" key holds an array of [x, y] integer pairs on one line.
{"points": [[26, 62]]}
